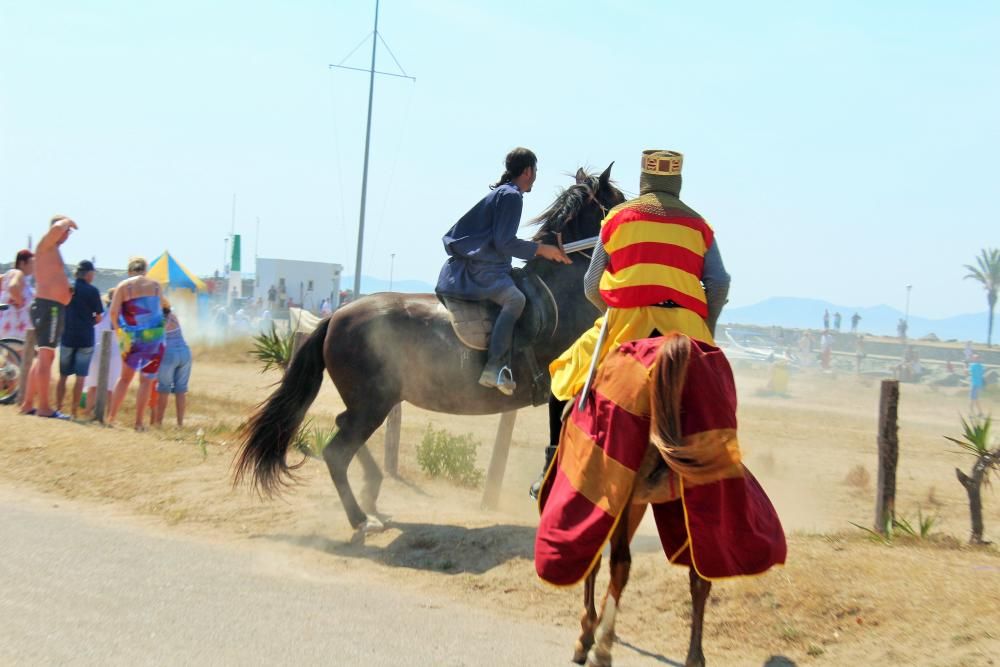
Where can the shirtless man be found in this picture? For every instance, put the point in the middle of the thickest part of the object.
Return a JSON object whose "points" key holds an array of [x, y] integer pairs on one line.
{"points": [[47, 312]]}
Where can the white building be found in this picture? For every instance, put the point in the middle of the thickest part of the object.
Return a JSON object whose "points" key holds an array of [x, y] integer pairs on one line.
{"points": [[304, 283]]}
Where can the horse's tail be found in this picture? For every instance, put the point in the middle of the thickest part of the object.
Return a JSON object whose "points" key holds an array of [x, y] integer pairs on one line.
{"points": [[267, 435], [665, 393]]}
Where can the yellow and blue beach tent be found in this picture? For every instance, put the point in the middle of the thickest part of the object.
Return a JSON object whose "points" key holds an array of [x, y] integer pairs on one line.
{"points": [[173, 275]]}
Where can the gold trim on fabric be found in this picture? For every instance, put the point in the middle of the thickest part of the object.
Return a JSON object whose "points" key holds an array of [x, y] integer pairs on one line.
{"points": [[694, 562], [677, 554]]}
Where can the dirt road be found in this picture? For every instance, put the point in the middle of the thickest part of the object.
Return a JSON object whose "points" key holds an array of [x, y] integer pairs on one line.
{"points": [[841, 600], [79, 590]]}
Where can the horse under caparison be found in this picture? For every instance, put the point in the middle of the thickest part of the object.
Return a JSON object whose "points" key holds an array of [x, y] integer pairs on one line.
{"points": [[389, 347], [657, 429], [597, 634]]}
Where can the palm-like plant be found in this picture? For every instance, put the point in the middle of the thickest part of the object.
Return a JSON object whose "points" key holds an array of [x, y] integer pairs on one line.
{"points": [[273, 349], [987, 272], [975, 440]]}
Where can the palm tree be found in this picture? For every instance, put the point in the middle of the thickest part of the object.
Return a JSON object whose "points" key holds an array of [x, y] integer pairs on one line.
{"points": [[987, 272], [976, 440]]}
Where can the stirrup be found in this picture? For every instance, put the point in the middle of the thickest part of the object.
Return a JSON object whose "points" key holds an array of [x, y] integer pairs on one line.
{"points": [[502, 382], [505, 381]]}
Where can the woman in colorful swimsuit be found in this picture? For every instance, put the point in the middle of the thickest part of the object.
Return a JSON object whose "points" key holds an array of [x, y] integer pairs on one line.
{"points": [[137, 316]]}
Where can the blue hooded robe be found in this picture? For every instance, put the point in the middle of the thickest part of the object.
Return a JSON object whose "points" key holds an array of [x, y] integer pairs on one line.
{"points": [[480, 247]]}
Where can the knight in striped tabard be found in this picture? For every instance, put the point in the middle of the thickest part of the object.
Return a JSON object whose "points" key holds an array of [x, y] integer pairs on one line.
{"points": [[656, 268]]}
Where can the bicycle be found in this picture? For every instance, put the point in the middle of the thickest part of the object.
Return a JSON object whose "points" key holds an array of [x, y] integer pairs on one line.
{"points": [[10, 367]]}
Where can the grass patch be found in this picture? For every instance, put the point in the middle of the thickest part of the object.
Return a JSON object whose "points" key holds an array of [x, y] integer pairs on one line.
{"points": [[441, 454]]}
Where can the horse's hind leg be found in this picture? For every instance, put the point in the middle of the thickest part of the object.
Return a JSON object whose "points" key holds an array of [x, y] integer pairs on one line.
{"points": [[621, 563], [588, 618], [354, 428], [373, 481], [700, 588]]}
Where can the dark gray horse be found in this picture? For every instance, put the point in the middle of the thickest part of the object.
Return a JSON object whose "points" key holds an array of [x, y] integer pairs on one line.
{"points": [[390, 347]]}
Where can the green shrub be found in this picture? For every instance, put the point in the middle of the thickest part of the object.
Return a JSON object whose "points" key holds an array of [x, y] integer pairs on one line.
{"points": [[311, 439], [273, 349], [441, 454]]}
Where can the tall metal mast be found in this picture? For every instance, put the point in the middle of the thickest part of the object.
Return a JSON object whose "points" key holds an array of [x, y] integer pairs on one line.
{"points": [[368, 137]]}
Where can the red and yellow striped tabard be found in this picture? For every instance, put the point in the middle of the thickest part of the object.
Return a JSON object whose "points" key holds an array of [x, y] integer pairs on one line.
{"points": [[653, 258], [656, 247]]}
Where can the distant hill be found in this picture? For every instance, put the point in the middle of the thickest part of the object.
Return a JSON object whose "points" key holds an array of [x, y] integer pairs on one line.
{"points": [[800, 313], [371, 284]]}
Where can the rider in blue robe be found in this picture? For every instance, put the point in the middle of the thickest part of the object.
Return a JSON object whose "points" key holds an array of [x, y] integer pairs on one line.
{"points": [[481, 246]]}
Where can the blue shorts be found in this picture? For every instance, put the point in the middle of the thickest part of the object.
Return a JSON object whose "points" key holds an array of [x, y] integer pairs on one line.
{"points": [[974, 391], [175, 371], [75, 361]]}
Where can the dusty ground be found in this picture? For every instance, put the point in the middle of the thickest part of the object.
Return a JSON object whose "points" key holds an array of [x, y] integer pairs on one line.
{"points": [[841, 599]]}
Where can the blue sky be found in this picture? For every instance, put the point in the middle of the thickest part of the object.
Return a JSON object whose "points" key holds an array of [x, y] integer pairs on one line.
{"points": [[841, 150]]}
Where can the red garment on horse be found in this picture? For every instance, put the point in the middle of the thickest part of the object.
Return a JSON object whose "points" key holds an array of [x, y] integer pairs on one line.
{"points": [[721, 523]]}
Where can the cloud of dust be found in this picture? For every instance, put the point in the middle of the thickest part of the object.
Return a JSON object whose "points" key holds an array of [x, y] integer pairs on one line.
{"points": [[211, 326]]}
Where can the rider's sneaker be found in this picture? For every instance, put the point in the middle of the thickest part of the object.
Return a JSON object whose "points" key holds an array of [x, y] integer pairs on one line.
{"points": [[502, 380]]}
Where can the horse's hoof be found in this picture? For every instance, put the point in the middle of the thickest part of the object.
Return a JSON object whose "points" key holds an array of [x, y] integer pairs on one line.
{"points": [[580, 656], [597, 658], [371, 526]]}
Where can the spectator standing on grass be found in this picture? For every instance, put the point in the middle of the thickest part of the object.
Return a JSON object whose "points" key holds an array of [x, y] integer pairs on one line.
{"points": [[16, 291], [77, 345], [855, 318], [114, 367], [272, 298], [137, 316], [826, 319], [175, 369], [977, 381], [47, 315], [836, 321]]}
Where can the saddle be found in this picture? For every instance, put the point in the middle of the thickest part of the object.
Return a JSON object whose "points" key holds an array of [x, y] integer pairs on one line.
{"points": [[473, 321]]}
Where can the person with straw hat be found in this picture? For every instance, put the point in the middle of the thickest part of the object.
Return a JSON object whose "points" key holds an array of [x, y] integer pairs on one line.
{"points": [[656, 268]]}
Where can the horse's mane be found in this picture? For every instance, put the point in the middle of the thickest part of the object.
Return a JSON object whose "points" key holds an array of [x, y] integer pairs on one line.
{"points": [[569, 202]]}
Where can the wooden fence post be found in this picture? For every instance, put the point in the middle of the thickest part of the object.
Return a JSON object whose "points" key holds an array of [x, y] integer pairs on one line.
{"points": [[393, 425], [27, 356], [103, 375], [498, 462], [888, 455]]}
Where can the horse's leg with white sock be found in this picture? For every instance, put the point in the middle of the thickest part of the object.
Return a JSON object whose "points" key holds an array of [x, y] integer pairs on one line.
{"points": [[621, 563]]}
